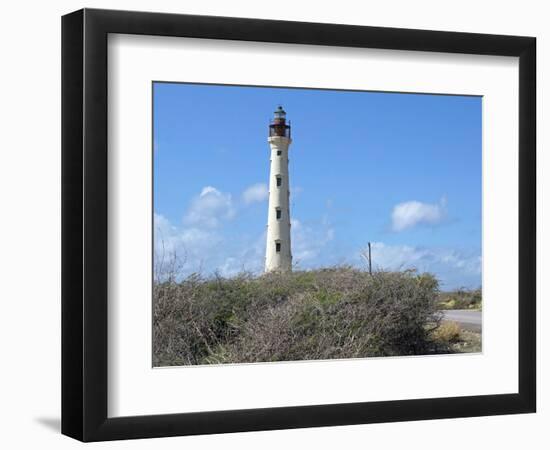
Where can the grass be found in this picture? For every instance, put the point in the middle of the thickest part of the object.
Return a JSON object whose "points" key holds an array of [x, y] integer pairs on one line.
{"points": [[339, 312], [447, 332], [461, 299], [457, 339]]}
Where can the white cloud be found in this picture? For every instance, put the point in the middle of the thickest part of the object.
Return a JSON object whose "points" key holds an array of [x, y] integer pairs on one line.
{"points": [[255, 193], [202, 243], [205, 250], [209, 208], [409, 214], [455, 268], [230, 267], [249, 256], [191, 245], [308, 241]]}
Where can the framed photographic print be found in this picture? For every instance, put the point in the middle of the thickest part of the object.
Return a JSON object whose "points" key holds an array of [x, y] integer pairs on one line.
{"points": [[273, 224]]}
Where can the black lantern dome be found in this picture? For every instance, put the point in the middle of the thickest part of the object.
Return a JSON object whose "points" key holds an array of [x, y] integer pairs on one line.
{"points": [[279, 113]]}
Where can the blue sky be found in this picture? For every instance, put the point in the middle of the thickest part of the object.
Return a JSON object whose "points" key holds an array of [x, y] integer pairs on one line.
{"points": [[402, 171]]}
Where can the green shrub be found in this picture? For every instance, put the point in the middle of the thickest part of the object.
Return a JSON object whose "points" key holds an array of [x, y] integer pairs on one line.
{"points": [[339, 312]]}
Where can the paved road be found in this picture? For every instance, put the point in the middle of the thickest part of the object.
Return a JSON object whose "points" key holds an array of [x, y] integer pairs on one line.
{"points": [[469, 320]]}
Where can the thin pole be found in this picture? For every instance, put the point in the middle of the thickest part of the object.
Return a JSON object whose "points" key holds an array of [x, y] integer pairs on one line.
{"points": [[370, 261]]}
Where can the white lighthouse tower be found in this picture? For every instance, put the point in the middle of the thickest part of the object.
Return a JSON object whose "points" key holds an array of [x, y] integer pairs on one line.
{"points": [[278, 254]]}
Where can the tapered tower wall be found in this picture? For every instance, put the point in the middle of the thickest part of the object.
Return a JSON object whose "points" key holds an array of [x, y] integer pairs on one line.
{"points": [[278, 246]]}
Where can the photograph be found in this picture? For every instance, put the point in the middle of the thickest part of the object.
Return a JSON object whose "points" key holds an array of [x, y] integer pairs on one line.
{"points": [[301, 224]]}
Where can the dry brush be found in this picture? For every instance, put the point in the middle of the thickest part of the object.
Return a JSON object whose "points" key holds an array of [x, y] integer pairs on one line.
{"points": [[323, 314]]}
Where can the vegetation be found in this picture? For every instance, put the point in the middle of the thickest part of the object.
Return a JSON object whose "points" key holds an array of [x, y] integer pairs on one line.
{"points": [[469, 342], [460, 299], [448, 332], [339, 312]]}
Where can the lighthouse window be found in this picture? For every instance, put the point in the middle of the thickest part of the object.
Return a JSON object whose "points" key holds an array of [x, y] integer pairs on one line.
{"points": [[278, 181], [277, 247], [279, 152], [278, 213]]}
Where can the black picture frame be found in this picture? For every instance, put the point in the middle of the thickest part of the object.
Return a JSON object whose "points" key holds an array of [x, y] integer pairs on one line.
{"points": [[84, 224]]}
